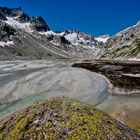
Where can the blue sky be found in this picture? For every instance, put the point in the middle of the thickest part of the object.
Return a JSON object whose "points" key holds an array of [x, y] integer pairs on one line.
{"points": [[91, 16]]}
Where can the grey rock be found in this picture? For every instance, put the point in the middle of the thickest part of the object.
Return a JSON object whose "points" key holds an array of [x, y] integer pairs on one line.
{"points": [[39, 24], [23, 18], [11, 12], [5, 32]]}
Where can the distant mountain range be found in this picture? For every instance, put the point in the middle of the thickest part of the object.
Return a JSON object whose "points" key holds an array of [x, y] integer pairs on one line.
{"points": [[25, 37]]}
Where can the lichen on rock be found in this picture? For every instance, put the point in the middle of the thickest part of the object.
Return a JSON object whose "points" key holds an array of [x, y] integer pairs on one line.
{"points": [[63, 118]]}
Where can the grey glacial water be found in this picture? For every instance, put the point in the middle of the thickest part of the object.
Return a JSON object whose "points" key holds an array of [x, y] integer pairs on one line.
{"points": [[25, 82]]}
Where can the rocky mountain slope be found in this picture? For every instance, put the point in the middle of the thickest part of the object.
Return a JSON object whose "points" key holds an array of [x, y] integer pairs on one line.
{"points": [[63, 118], [24, 37], [125, 44]]}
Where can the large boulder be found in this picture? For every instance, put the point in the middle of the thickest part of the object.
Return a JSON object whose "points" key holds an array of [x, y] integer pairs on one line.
{"points": [[63, 118]]}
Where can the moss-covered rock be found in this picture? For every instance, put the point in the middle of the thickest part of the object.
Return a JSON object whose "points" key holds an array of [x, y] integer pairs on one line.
{"points": [[63, 118]]}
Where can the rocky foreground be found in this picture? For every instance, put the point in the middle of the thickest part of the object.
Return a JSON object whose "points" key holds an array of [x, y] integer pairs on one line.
{"points": [[63, 118]]}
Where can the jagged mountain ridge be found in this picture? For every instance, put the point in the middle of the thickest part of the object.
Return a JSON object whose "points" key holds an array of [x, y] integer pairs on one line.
{"points": [[38, 24], [32, 39]]}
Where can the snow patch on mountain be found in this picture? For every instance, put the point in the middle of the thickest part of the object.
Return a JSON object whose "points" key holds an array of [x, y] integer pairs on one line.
{"points": [[71, 37], [48, 33], [52, 33], [80, 39], [16, 24], [103, 38], [6, 43]]}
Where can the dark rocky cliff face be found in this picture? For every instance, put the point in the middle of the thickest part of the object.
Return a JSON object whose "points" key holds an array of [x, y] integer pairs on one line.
{"points": [[23, 18], [39, 24], [5, 32], [2, 17]]}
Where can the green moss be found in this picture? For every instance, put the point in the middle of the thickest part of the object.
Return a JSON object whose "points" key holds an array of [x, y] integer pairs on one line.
{"points": [[19, 128], [1, 135]]}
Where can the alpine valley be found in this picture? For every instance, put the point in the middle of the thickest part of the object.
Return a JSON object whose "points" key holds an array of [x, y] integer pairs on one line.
{"points": [[69, 84]]}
